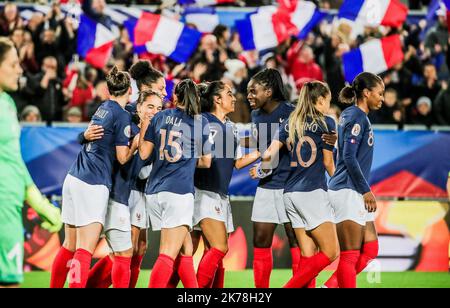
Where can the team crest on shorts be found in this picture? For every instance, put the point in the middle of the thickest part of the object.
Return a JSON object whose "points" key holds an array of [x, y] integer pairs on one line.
{"points": [[356, 130], [138, 217], [218, 210]]}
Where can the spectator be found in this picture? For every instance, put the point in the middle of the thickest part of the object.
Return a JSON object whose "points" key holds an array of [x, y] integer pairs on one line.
{"points": [[235, 76], [101, 95], [45, 88], [437, 37], [25, 47], [391, 112], [95, 9], [74, 115], [31, 114], [10, 19], [301, 65], [123, 47], [422, 114], [223, 36], [429, 87], [441, 108], [82, 94]]}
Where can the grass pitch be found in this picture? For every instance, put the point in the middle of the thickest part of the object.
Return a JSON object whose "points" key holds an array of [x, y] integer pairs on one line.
{"points": [[244, 279]]}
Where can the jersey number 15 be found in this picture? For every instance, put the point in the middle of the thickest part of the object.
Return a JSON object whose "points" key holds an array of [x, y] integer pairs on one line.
{"points": [[163, 153]]}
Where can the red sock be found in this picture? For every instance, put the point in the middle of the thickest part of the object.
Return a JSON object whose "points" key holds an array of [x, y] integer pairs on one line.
{"points": [[208, 267], [332, 283], [346, 272], [60, 268], [296, 255], [136, 263], [302, 264], [100, 274], [121, 272], [262, 266], [219, 278], [175, 278], [369, 252], [162, 271], [186, 272], [79, 269], [312, 267]]}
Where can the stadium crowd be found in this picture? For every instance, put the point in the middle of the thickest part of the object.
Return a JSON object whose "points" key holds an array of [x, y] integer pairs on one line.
{"points": [[58, 86]]}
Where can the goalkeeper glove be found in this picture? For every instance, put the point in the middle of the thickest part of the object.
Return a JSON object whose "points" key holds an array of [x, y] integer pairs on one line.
{"points": [[50, 214]]}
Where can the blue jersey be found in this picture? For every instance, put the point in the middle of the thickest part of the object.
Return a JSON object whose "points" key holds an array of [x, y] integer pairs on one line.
{"points": [[226, 150], [94, 164], [179, 140], [307, 168], [355, 152], [265, 128], [125, 176]]}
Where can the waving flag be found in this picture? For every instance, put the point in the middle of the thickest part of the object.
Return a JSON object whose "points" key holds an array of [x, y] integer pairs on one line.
{"points": [[95, 42], [162, 35], [305, 15], [265, 30], [373, 13], [205, 19], [375, 56]]}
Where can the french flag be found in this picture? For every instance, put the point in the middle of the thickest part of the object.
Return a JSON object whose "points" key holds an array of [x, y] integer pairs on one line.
{"points": [[304, 15], [94, 42], [205, 19], [391, 13], [265, 30], [375, 56], [163, 35]]}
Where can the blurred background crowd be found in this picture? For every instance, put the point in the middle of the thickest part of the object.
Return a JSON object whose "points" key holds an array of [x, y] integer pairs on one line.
{"points": [[58, 85]]}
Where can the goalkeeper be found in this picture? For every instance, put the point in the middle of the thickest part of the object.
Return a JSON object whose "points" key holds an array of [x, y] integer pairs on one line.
{"points": [[16, 185]]}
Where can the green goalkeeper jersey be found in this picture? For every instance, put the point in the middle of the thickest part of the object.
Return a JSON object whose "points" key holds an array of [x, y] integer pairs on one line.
{"points": [[14, 176]]}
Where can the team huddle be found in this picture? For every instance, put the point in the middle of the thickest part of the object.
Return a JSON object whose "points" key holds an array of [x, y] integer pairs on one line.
{"points": [[144, 168]]}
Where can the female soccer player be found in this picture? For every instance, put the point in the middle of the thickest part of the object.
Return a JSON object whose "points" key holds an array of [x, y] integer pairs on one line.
{"points": [[87, 186], [268, 100], [16, 185], [305, 193], [212, 206], [183, 142], [118, 224], [147, 79], [350, 194]]}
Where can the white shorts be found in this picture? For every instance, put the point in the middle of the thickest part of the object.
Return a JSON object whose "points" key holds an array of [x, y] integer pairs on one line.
{"points": [[118, 241], [268, 206], [308, 210], [212, 205], [168, 210], [370, 217], [138, 212], [348, 205], [117, 217], [82, 203]]}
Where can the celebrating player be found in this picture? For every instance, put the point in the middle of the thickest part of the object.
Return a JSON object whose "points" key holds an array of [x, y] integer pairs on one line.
{"points": [[349, 191], [212, 206], [305, 194], [178, 136], [87, 186], [16, 185], [147, 79], [270, 108]]}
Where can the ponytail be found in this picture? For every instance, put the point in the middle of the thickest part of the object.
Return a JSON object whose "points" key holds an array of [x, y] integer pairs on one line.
{"points": [[188, 97]]}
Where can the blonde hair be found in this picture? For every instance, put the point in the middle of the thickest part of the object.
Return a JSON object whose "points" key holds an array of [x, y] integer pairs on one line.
{"points": [[305, 109]]}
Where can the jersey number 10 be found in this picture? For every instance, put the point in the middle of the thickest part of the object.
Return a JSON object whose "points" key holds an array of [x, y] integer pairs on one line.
{"points": [[298, 151]]}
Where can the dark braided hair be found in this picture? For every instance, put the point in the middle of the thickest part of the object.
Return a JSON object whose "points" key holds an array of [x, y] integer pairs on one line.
{"points": [[271, 79]]}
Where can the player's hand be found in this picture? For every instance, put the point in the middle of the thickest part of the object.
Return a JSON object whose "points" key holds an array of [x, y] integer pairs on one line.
{"points": [[94, 132], [253, 172], [50, 214], [370, 202], [330, 139]]}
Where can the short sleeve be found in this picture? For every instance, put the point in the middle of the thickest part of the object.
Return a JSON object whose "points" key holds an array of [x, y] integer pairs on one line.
{"points": [[150, 134], [207, 137], [331, 127], [123, 129]]}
